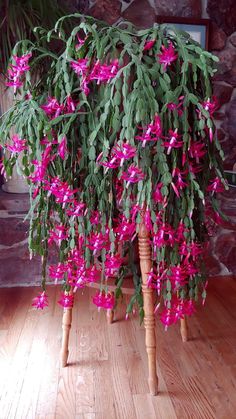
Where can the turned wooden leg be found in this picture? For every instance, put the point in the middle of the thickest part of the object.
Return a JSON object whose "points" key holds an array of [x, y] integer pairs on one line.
{"points": [[110, 316], [66, 326], [149, 318], [184, 329]]}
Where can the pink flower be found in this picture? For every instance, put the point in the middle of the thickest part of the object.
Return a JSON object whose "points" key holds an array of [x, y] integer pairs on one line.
{"points": [[62, 148], [178, 276], [148, 220], [152, 132], [176, 107], [77, 277], [194, 168], [92, 274], [155, 127], [40, 301], [53, 109], [190, 267], [84, 85], [178, 183], [57, 235], [66, 300], [216, 185], [95, 218], [80, 66], [164, 236], [157, 279], [39, 173], [179, 308], [173, 141], [157, 195], [151, 278], [80, 43], [46, 141], [98, 241], [22, 62], [17, 70], [211, 105], [81, 276], [123, 152], [61, 190], [149, 44], [133, 175], [18, 145], [104, 72], [76, 209], [126, 229], [110, 164], [167, 56], [70, 106], [197, 150], [169, 317], [104, 300], [134, 210], [74, 257], [192, 249], [58, 271], [112, 265], [179, 232]]}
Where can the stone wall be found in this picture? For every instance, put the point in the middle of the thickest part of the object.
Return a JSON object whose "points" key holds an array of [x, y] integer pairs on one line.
{"points": [[223, 44], [15, 266]]}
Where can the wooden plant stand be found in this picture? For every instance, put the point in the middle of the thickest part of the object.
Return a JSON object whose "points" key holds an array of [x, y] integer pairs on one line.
{"points": [[149, 317]]}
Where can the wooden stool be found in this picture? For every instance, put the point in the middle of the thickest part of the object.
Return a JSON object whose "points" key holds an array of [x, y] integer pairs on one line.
{"points": [[149, 317]]}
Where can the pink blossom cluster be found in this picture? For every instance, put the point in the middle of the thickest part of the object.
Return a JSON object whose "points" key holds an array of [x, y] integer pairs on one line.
{"points": [[216, 185], [17, 70], [40, 167], [66, 300], [179, 308], [112, 265], [189, 252], [74, 270], [119, 154], [40, 301], [101, 73], [211, 105], [58, 234], [176, 107], [167, 55], [17, 145], [153, 132], [103, 299], [125, 229], [53, 108], [62, 191]]}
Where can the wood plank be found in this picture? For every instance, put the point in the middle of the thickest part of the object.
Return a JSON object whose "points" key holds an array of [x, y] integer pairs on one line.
{"points": [[46, 404], [107, 372], [21, 342], [124, 405], [143, 406]]}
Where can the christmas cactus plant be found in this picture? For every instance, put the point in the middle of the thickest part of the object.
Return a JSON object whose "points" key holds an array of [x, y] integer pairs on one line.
{"points": [[114, 127]]}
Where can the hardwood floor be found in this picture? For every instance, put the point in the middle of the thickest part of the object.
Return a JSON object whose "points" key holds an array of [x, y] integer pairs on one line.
{"points": [[107, 374]]}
